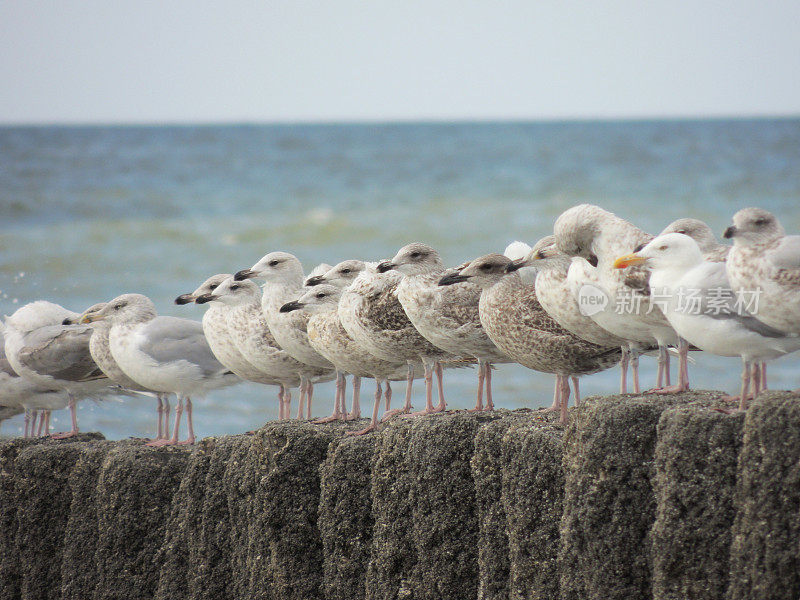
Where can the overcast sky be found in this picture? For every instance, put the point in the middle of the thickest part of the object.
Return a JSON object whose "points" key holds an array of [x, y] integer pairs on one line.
{"points": [[200, 60]]}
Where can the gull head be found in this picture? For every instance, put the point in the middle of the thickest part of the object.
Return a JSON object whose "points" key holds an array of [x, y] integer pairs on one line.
{"points": [[92, 310], [484, 271], [341, 275], [38, 314], [754, 226], [127, 308], [413, 259], [234, 293], [667, 251], [320, 298], [275, 267], [695, 229], [208, 286], [576, 228], [544, 254]]}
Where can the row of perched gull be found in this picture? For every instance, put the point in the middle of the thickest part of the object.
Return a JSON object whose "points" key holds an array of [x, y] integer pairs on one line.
{"points": [[597, 292]]}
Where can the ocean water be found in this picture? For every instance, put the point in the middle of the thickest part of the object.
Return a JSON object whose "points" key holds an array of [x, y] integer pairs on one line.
{"points": [[87, 213]]}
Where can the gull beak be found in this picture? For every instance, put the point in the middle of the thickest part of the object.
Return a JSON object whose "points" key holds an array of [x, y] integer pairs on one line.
{"points": [[453, 278], [385, 266], [316, 280], [516, 265], [244, 274], [205, 298], [729, 232], [84, 318], [628, 260], [290, 306], [184, 299]]}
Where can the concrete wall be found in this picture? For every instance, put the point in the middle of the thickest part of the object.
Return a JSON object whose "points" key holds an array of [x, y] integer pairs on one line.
{"points": [[637, 497]]}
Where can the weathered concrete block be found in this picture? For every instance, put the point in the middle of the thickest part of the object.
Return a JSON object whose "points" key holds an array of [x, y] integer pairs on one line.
{"points": [[78, 568], [182, 550], [134, 499], [345, 516], [765, 552], [445, 518], [10, 574], [285, 553], [393, 552], [43, 497], [609, 505], [212, 576], [487, 473], [532, 495], [695, 480]]}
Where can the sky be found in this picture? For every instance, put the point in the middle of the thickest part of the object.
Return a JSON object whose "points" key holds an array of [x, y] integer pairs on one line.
{"points": [[288, 61]]}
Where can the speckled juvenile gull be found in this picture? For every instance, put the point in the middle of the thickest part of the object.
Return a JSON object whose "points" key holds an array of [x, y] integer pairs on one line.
{"points": [[331, 339], [765, 264], [373, 316], [166, 354], [447, 316], [519, 326], [283, 280], [703, 235], [18, 394], [703, 308], [52, 355], [598, 237], [258, 356]]}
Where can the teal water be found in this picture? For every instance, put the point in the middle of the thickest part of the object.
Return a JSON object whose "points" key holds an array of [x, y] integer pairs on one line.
{"points": [[87, 213]]}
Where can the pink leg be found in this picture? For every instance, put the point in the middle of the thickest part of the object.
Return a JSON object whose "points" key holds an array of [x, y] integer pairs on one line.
{"points": [[287, 407], [47, 422], [310, 394], [623, 366], [189, 440], [440, 385], [489, 402], [338, 402], [160, 410], [683, 375], [387, 393], [303, 391], [764, 376], [27, 430], [564, 399], [635, 370], [373, 424], [175, 429], [167, 409], [355, 412], [576, 385], [556, 395], [407, 406], [73, 412], [743, 397], [41, 431], [481, 378], [756, 379]]}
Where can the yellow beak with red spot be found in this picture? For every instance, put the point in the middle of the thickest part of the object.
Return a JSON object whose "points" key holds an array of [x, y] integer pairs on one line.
{"points": [[629, 260]]}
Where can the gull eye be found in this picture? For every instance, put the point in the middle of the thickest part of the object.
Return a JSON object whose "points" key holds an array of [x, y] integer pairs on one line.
{"points": [[321, 295], [119, 305], [416, 254], [540, 254], [345, 271], [664, 247], [235, 287], [274, 263], [760, 222], [486, 267]]}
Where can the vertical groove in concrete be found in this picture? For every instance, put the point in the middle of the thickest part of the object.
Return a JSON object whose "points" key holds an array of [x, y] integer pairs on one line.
{"points": [[78, 568], [765, 553], [487, 472], [695, 482], [134, 499], [393, 553], [445, 518], [44, 498], [532, 494], [345, 516], [609, 505]]}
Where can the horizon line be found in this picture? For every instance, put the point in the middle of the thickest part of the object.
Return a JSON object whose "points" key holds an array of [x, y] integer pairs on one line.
{"points": [[398, 120]]}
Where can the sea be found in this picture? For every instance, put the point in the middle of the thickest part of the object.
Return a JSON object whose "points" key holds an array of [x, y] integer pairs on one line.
{"points": [[87, 213]]}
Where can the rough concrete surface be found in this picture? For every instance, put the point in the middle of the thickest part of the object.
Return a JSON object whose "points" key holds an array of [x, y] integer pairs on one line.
{"points": [[609, 505], [532, 496], [695, 481], [134, 499], [637, 497], [765, 552], [487, 472]]}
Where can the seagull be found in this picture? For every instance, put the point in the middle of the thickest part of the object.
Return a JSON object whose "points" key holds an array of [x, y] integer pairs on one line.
{"points": [[166, 354], [519, 326], [18, 394], [283, 282], [703, 308], [701, 233], [54, 356], [764, 267], [327, 335], [595, 237], [101, 354], [448, 317], [248, 329]]}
